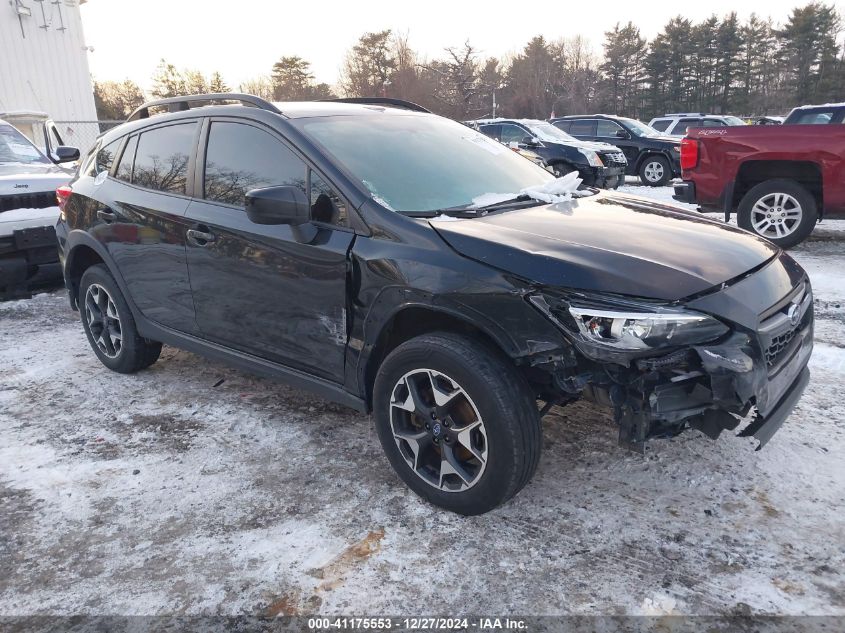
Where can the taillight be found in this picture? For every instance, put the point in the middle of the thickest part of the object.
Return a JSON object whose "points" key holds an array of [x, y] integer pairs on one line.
{"points": [[63, 195], [689, 153]]}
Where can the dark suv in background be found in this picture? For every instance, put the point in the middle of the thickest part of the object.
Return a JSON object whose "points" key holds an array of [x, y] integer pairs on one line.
{"points": [[401, 263], [598, 164], [654, 157]]}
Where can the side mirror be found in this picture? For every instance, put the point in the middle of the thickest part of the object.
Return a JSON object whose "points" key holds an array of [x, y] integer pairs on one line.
{"points": [[66, 154], [278, 205], [282, 205], [622, 134], [531, 141]]}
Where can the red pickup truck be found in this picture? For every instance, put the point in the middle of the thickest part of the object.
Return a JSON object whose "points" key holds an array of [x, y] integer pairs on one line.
{"points": [[779, 180]]}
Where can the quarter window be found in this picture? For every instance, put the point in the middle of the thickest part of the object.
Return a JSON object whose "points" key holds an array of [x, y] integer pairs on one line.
{"points": [[104, 158], [242, 157], [161, 160], [124, 167], [326, 205], [662, 125], [563, 125]]}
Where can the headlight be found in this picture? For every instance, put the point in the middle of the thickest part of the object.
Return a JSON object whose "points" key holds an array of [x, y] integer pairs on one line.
{"points": [[632, 331], [631, 328], [592, 157]]}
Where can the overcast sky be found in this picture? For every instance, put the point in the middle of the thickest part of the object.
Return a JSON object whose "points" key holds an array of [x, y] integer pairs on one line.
{"points": [[243, 38]]}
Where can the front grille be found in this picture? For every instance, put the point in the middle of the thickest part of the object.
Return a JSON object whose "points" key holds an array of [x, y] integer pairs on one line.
{"points": [[778, 345], [40, 200], [614, 158], [779, 329]]}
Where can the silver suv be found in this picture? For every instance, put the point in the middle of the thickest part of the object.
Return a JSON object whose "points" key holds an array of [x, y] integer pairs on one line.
{"points": [[29, 211], [676, 124]]}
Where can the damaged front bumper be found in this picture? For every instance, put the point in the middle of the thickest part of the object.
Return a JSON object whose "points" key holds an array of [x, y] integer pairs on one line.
{"points": [[759, 373]]}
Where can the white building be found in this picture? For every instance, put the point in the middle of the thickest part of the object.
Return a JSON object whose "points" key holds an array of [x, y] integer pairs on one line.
{"points": [[44, 66]]}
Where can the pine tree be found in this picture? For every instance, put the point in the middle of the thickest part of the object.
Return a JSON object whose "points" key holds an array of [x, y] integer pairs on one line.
{"points": [[730, 48], [809, 51]]}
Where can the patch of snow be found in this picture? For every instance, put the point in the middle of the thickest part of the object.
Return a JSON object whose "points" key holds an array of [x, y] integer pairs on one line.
{"points": [[558, 190]]}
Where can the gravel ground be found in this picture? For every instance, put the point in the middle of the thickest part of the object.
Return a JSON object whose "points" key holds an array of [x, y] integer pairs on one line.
{"points": [[193, 488]]}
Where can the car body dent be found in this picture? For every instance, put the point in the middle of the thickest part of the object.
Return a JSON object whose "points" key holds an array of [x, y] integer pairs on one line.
{"points": [[608, 241]]}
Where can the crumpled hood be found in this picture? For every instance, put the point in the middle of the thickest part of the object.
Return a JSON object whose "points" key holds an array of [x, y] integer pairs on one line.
{"points": [[610, 243], [18, 179]]}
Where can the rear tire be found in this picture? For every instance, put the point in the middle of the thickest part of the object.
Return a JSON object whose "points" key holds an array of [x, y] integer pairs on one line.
{"points": [[443, 399], [780, 210], [109, 326], [655, 171]]}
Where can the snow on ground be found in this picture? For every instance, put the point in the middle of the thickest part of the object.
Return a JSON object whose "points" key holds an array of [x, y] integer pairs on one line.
{"points": [[196, 488]]}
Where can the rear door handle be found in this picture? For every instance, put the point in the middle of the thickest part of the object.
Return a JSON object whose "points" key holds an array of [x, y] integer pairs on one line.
{"points": [[106, 216], [200, 238]]}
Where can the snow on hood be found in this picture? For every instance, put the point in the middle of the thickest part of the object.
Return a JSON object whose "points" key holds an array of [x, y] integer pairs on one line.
{"points": [[557, 190]]}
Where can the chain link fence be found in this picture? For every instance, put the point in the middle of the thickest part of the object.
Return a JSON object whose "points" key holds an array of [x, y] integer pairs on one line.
{"points": [[83, 134]]}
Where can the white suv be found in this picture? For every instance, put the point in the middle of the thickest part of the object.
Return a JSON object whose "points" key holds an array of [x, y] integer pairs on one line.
{"points": [[28, 211], [676, 124]]}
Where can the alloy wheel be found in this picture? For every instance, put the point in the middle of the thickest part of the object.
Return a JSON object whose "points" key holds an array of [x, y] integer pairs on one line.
{"points": [[653, 171], [776, 215], [103, 321], [438, 430]]}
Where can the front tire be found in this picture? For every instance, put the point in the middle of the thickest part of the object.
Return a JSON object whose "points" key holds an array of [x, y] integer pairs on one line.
{"points": [[781, 210], [458, 423], [655, 171], [109, 325]]}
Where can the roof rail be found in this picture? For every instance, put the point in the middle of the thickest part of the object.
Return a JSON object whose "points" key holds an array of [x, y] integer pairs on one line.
{"points": [[179, 104], [688, 114], [385, 101]]}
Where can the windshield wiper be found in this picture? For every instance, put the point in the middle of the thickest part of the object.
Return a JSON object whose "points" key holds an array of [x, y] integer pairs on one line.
{"points": [[468, 211]]}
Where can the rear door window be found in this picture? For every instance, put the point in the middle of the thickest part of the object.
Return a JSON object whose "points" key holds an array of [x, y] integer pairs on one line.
{"points": [[242, 157], [161, 160], [583, 127]]}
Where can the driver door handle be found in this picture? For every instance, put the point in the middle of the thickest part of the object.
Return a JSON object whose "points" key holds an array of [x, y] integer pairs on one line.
{"points": [[200, 238]]}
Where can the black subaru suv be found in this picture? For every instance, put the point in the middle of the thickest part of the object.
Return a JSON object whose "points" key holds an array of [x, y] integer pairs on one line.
{"points": [[654, 157], [401, 263], [598, 164]]}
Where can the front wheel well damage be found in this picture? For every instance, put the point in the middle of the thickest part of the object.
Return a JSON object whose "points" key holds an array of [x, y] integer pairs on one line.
{"points": [[416, 321]]}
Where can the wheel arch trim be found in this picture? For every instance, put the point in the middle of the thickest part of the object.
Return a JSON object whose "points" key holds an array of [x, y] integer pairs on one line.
{"points": [[380, 322], [77, 241]]}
